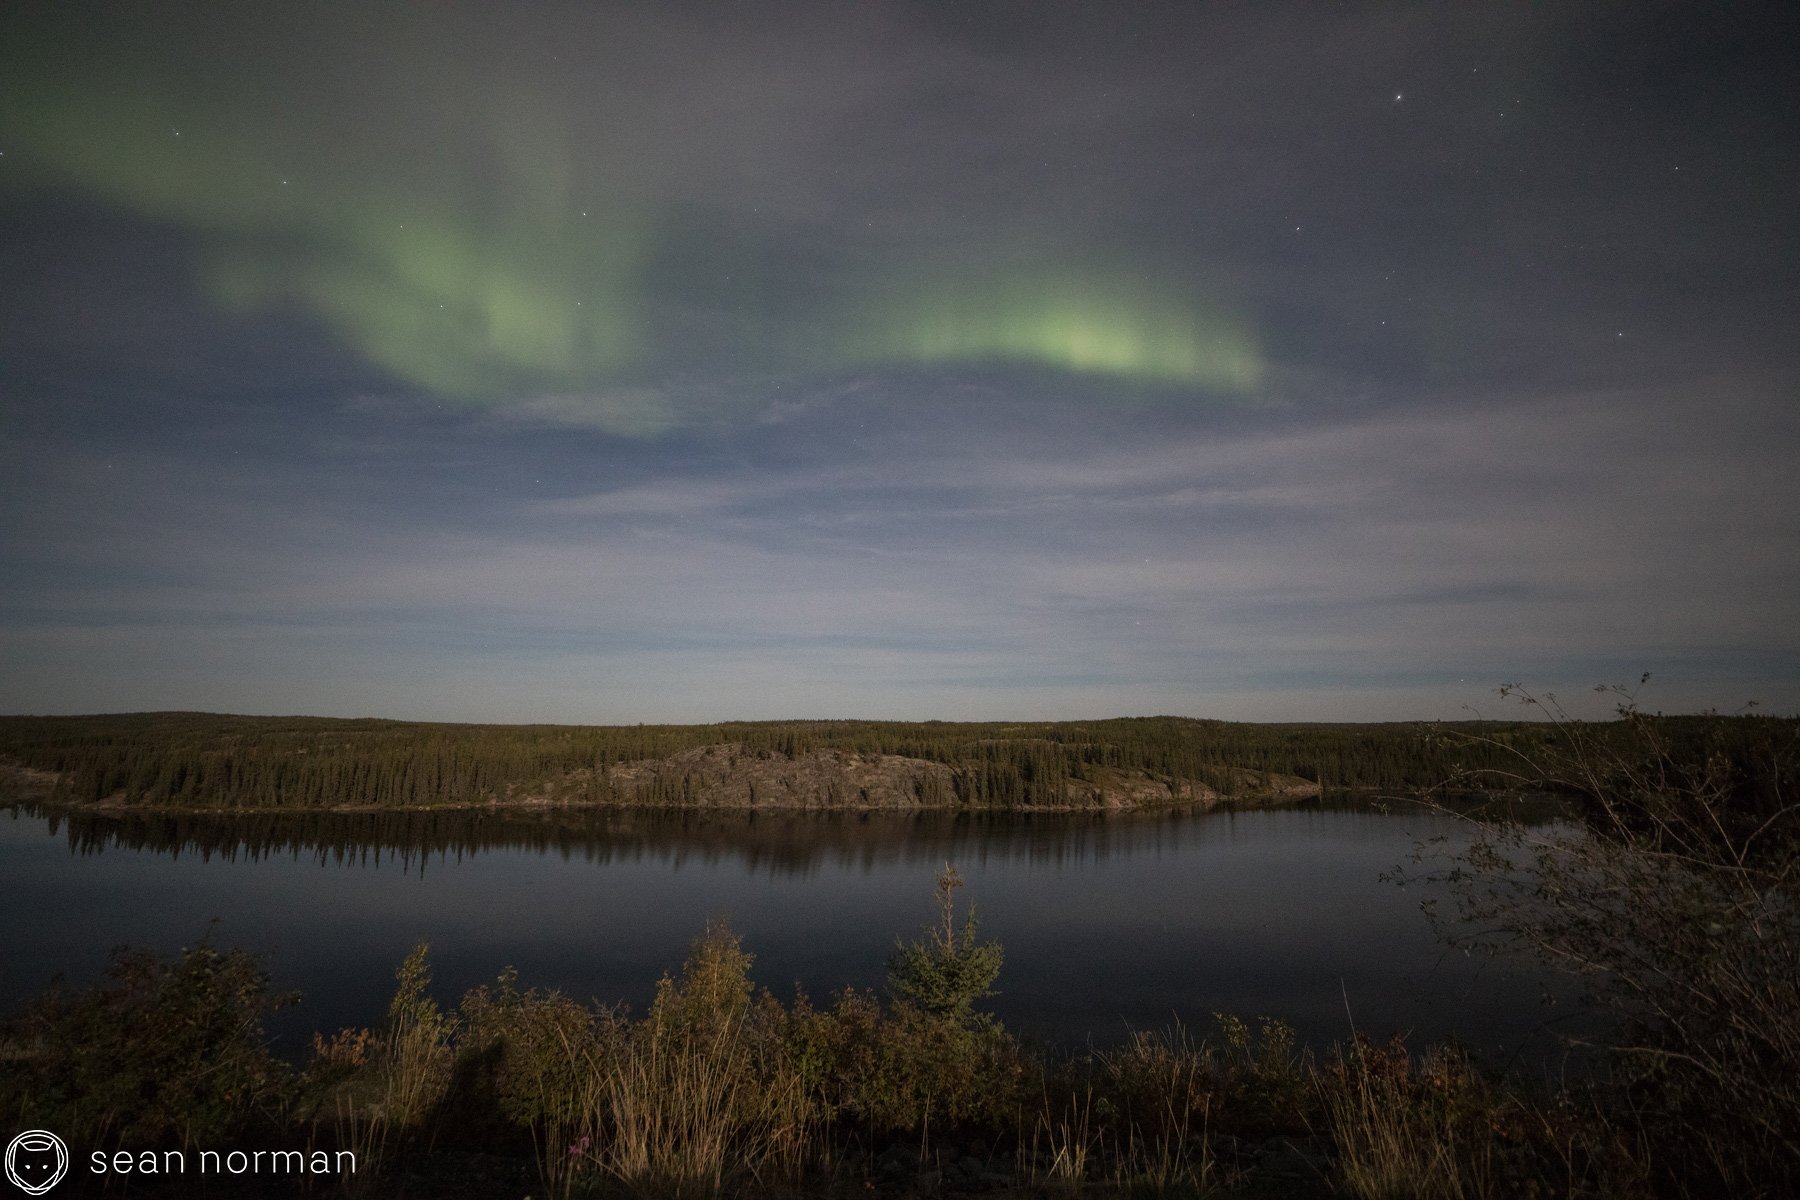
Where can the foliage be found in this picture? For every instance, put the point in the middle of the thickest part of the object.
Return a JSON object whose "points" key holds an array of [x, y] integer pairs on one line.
{"points": [[699, 1096], [167, 1052], [902, 1069], [1262, 1070], [710, 999], [537, 1057], [1406, 1129], [1674, 892], [416, 1044], [1159, 1083], [947, 972], [530, 1046], [723, 1090], [1676, 896], [204, 761], [1154, 1101]]}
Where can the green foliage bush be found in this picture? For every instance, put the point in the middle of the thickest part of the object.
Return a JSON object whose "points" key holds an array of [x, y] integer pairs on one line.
{"points": [[166, 1053], [530, 1050], [903, 1069], [711, 997]]}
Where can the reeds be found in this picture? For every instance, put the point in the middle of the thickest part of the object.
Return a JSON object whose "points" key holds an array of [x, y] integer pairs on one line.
{"points": [[1063, 1140], [1401, 1133], [687, 1119], [721, 1091], [416, 1051]]}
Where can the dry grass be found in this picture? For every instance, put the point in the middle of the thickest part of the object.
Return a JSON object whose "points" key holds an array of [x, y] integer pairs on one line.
{"points": [[1063, 1141], [689, 1120], [1406, 1131], [417, 1054]]}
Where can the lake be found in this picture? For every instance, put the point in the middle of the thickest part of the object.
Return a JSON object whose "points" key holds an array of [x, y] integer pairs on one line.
{"points": [[1109, 922]]}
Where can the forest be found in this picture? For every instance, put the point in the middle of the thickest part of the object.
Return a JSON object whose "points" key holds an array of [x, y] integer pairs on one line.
{"points": [[201, 760], [179, 760]]}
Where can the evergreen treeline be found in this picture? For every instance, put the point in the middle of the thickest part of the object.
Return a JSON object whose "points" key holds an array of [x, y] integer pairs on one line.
{"points": [[216, 761], [205, 760]]}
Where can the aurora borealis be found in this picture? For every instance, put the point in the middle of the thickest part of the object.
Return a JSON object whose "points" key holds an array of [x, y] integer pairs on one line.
{"points": [[684, 361], [486, 243]]}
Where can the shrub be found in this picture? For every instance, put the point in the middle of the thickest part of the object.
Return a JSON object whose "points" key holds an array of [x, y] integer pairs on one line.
{"points": [[416, 1046], [1406, 1129], [168, 1051], [698, 1095], [1158, 1093], [1676, 896], [538, 1058], [1160, 1083]]}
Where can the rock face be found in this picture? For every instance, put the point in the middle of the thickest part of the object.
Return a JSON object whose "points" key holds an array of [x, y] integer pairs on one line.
{"points": [[729, 776], [1116, 787], [22, 784]]}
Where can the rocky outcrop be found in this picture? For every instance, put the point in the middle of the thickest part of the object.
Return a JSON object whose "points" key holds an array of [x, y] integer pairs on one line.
{"points": [[729, 776]]}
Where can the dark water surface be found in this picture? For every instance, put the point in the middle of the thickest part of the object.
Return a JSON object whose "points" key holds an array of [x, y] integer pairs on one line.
{"points": [[1108, 922]]}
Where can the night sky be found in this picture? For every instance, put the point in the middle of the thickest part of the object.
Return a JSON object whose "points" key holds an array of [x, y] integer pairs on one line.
{"points": [[683, 361]]}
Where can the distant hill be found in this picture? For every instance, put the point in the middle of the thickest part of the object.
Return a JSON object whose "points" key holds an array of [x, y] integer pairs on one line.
{"points": [[212, 761]]}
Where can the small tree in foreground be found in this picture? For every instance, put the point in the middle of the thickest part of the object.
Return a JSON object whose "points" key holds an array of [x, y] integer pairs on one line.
{"points": [[948, 971], [1676, 896]]}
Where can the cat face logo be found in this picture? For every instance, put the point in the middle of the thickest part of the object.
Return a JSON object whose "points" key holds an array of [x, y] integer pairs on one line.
{"points": [[36, 1160]]}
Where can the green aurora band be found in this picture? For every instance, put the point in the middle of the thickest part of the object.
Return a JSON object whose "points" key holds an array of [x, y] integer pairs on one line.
{"points": [[493, 267], [470, 281], [1082, 321]]}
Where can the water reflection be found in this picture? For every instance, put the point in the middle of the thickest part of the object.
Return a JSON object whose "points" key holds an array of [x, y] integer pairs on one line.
{"points": [[774, 842], [1108, 921]]}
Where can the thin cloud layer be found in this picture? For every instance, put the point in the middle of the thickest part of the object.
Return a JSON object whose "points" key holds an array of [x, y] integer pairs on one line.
{"points": [[910, 360]]}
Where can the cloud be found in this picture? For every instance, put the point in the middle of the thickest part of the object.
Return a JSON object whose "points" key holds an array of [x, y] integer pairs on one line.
{"points": [[629, 412], [1477, 540], [1003, 362]]}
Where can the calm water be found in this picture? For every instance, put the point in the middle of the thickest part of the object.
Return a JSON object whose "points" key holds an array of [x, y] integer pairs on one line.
{"points": [[1108, 922]]}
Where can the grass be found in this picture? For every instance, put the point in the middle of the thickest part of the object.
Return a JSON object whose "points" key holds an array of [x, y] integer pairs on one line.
{"points": [[721, 1090], [1406, 1131]]}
